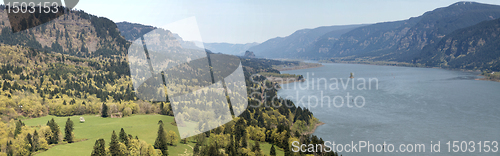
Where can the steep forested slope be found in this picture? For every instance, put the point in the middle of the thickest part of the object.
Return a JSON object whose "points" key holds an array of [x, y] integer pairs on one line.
{"points": [[476, 47]]}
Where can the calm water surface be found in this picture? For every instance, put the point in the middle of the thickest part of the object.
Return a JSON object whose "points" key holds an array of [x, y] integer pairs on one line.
{"points": [[410, 106]]}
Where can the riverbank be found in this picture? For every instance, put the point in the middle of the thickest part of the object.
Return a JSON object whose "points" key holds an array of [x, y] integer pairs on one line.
{"points": [[280, 80], [302, 65], [487, 77], [314, 129]]}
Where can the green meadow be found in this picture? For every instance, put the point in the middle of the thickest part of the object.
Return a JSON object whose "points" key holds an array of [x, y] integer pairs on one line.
{"points": [[143, 126]]}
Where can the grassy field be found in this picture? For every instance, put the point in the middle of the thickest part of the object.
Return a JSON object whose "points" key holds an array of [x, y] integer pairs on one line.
{"points": [[266, 148], [95, 127]]}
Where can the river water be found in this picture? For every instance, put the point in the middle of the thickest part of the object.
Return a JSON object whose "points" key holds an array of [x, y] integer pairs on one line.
{"points": [[400, 105]]}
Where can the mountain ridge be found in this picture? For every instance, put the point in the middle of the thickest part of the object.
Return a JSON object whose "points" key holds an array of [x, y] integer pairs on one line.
{"points": [[296, 42], [403, 40]]}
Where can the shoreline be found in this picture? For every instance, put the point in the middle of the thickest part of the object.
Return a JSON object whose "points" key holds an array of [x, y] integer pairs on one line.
{"points": [[314, 129], [307, 66], [485, 78]]}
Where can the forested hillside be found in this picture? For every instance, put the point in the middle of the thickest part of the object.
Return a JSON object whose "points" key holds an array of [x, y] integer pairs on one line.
{"points": [[473, 48], [76, 65]]}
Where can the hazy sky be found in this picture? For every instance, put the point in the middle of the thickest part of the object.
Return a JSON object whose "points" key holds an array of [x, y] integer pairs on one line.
{"points": [[244, 21]]}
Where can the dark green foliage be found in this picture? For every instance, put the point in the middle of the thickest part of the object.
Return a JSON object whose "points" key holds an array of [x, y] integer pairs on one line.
{"points": [[114, 147], [273, 151], [68, 131], [124, 138], [104, 111], [211, 150], [99, 148], [36, 138], [29, 141], [256, 147], [54, 139], [244, 142], [161, 139], [196, 149], [230, 148], [19, 126], [9, 149]]}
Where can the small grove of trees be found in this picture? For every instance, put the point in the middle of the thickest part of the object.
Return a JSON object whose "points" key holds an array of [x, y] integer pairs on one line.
{"points": [[124, 145], [27, 140]]}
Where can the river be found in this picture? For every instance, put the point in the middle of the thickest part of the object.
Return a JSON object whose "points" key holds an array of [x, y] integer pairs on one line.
{"points": [[400, 105]]}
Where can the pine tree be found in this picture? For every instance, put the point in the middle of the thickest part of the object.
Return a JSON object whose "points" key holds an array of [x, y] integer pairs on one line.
{"points": [[99, 148], [286, 145], [69, 131], [29, 141], [196, 149], [256, 147], [244, 142], [19, 126], [273, 151], [9, 150], [114, 147], [124, 138], [54, 139], [161, 139], [34, 146], [104, 112]]}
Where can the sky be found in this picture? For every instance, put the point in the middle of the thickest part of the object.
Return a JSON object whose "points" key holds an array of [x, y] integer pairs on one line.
{"points": [[246, 21]]}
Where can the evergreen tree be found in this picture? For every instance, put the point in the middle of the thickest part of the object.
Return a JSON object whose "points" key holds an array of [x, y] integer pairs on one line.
{"points": [[161, 139], [196, 149], [99, 148], [114, 147], [256, 147], [124, 138], [286, 146], [29, 141], [69, 131], [36, 138], [54, 139], [9, 150], [104, 112], [273, 151], [19, 126], [244, 142]]}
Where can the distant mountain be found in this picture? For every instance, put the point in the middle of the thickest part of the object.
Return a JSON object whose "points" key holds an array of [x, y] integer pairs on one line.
{"points": [[403, 40], [297, 43], [228, 48], [476, 47]]}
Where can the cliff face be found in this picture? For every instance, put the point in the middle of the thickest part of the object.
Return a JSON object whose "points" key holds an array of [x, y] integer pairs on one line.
{"points": [[75, 33], [475, 47], [404, 40]]}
